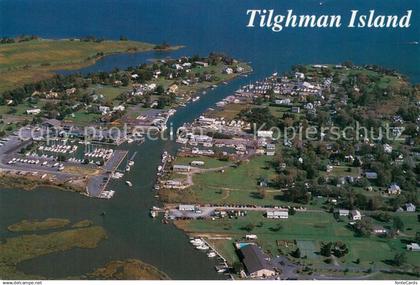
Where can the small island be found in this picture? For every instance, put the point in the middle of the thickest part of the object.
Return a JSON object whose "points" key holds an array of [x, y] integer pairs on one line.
{"points": [[27, 246], [130, 269], [35, 225], [29, 59]]}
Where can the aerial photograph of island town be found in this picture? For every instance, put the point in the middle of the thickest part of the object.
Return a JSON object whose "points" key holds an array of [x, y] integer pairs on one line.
{"points": [[209, 140]]}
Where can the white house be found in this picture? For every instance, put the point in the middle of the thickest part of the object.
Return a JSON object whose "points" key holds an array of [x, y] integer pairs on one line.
{"points": [[277, 214], [378, 230], [201, 63], [104, 109], [286, 101], [251, 237], [299, 75], [394, 189], [355, 215], [33, 111], [410, 207], [118, 108], [189, 208], [265, 134], [387, 148], [413, 247], [182, 168], [343, 212], [228, 70]]}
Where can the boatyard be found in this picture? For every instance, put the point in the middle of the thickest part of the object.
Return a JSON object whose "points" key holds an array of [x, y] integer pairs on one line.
{"points": [[61, 161]]}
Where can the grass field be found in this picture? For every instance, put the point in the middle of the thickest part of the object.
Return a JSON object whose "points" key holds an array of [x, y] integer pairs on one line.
{"points": [[110, 93], [208, 161], [83, 118], [35, 60], [236, 184], [229, 111], [308, 230]]}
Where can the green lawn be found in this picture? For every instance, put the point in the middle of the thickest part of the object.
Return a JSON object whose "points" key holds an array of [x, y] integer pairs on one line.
{"points": [[339, 171], [278, 111], [83, 118], [110, 93], [236, 184], [309, 229], [208, 161]]}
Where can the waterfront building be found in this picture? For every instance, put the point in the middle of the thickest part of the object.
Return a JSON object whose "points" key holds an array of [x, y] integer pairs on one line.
{"points": [[256, 262]]}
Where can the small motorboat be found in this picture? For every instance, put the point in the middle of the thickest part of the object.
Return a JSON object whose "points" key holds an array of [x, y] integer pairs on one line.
{"points": [[211, 254], [202, 247], [128, 183]]}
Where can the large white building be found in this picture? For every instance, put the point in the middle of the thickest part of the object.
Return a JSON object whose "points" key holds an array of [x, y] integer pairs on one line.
{"points": [[277, 214]]}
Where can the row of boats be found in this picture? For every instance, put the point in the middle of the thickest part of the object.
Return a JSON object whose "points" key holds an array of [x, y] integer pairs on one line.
{"points": [[129, 165], [200, 244], [59, 148], [165, 158]]}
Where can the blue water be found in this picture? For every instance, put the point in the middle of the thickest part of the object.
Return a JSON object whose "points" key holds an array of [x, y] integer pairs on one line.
{"points": [[202, 26], [219, 25]]}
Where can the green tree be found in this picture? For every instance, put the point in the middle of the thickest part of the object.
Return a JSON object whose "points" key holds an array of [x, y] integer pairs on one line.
{"points": [[400, 259], [398, 224], [249, 227], [296, 253]]}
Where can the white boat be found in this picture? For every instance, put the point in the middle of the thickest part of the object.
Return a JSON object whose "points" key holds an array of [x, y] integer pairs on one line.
{"points": [[202, 247], [196, 241], [160, 168], [129, 183], [131, 163], [196, 244], [153, 214], [117, 175], [211, 254], [195, 98], [128, 168]]}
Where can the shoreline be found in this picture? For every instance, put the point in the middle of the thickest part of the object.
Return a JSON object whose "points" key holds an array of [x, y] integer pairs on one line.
{"points": [[31, 73]]}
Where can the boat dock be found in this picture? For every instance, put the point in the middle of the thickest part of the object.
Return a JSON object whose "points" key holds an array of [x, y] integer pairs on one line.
{"points": [[223, 266], [114, 162], [97, 184]]}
